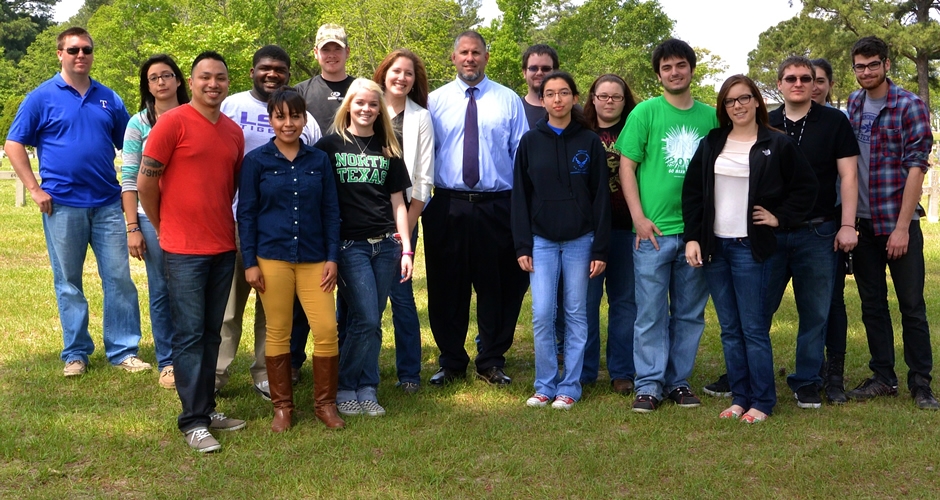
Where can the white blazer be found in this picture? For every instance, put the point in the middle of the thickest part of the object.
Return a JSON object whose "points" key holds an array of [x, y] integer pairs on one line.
{"points": [[418, 150]]}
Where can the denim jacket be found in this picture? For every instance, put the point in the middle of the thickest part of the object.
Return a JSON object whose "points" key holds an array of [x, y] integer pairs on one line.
{"points": [[287, 210]]}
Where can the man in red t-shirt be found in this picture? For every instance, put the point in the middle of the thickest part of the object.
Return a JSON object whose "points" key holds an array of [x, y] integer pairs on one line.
{"points": [[186, 185]]}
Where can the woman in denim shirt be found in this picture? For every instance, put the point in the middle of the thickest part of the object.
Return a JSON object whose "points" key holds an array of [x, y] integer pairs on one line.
{"points": [[288, 222]]}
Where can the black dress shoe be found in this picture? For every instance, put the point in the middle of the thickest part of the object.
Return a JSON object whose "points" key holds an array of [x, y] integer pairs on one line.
{"points": [[494, 376], [445, 376]]}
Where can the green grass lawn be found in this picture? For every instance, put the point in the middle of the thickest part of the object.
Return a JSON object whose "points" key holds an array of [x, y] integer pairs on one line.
{"points": [[111, 434]]}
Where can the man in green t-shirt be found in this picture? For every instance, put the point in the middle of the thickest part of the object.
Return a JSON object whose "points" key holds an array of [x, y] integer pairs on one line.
{"points": [[656, 144]]}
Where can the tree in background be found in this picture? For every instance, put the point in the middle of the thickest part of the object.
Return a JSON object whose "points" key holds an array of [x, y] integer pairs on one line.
{"points": [[377, 27], [906, 25], [507, 37], [20, 22], [596, 37], [807, 36], [618, 36]]}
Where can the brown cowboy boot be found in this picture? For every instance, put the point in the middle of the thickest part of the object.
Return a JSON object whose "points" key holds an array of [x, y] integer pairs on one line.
{"points": [[282, 391], [325, 380]]}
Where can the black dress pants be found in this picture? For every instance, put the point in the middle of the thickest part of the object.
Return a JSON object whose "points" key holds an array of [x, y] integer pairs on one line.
{"points": [[469, 247]]}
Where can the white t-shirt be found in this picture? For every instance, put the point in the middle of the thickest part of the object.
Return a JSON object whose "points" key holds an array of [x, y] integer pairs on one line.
{"points": [[732, 172], [252, 116]]}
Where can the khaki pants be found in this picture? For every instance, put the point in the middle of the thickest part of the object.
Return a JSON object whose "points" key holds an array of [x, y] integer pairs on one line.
{"points": [[232, 330]]}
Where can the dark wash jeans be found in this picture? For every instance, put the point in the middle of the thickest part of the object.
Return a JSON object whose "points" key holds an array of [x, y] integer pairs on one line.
{"points": [[199, 286], [805, 254], [907, 273]]}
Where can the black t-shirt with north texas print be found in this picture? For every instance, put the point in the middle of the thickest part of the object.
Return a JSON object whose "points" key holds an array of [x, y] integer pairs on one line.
{"points": [[365, 181]]}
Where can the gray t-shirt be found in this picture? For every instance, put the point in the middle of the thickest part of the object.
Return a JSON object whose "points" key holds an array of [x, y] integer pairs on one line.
{"points": [[870, 111]]}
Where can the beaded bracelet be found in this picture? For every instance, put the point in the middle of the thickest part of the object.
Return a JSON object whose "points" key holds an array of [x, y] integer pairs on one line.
{"points": [[136, 229]]}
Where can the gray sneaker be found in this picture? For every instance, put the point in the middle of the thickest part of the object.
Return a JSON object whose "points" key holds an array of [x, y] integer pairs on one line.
{"points": [[200, 440], [263, 389], [222, 423]]}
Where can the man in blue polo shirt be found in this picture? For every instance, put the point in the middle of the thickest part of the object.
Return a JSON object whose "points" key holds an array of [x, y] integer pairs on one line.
{"points": [[75, 124]]}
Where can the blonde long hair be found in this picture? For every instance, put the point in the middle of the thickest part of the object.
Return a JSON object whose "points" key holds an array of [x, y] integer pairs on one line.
{"points": [[383, 124]]}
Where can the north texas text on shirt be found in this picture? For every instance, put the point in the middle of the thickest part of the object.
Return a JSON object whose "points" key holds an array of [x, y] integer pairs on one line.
{"points": [[352, 167]]}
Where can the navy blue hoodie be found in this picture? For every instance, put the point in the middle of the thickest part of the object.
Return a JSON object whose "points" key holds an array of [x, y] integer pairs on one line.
{"points": [[560, 188]]}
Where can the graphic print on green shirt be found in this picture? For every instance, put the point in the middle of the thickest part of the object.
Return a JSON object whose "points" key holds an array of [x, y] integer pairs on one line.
{"points": [[662, 139]]}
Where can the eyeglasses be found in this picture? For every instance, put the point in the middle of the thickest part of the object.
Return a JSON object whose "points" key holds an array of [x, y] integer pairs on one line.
{"points": [[872, 66], [87, 50], [543, 69], [605, 97], [551, 95], [742, 100], [793, 78], [165, 77]]}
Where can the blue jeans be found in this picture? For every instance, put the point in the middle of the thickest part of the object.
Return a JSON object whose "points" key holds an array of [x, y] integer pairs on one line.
{"points": [[199, 287], [161, 317], [366, 272], [621, 313], [670, 316], [69, 231], [407, 327], [737, 284], [806, 255], [572, 260]]}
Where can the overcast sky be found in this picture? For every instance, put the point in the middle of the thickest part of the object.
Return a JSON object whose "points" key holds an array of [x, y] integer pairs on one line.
{"points": [[728, 28]]}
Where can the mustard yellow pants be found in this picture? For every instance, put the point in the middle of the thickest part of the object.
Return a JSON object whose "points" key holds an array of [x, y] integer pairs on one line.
{"points": [[282, 280]]}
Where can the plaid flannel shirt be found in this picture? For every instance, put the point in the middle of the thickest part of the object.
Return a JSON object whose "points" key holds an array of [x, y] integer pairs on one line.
{"points": [[901, 139]]}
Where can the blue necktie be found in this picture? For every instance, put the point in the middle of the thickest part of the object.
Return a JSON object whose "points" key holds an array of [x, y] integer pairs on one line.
{"points": [[471, 143]]}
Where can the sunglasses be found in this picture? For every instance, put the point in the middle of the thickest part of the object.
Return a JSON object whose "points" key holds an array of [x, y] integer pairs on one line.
{"points": [[72, 51], [543, 69], [803, 79]]}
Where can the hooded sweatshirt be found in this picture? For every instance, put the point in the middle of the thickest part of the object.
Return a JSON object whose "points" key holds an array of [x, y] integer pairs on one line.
{"points": [[560, 188]]}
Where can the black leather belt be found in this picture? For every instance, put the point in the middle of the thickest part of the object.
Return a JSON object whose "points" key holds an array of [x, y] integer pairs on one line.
{"points": [[812, 222], [473, 196]]}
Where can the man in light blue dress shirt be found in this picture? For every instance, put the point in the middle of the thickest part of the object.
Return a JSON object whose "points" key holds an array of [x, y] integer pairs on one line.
{"points": [[468, 240]]}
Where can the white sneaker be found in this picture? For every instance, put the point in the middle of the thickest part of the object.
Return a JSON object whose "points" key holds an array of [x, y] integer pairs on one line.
{"points": [[563, 402], [538, 400], [264, 390], [134, 364]]}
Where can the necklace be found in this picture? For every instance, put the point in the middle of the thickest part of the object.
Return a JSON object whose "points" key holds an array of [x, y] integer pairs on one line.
{"points": [[802, 127], [362, 150]]}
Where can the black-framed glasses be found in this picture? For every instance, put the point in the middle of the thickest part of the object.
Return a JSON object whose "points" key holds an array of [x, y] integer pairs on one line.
{"points": [[742, 100], [872, 66], [804, 79], [543, 69], [87, 50], [608, 97], [165, 77], [551, 95]]}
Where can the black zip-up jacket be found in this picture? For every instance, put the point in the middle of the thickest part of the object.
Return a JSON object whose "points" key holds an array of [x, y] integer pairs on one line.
{"points": [[781, 180], [560, 188]]}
